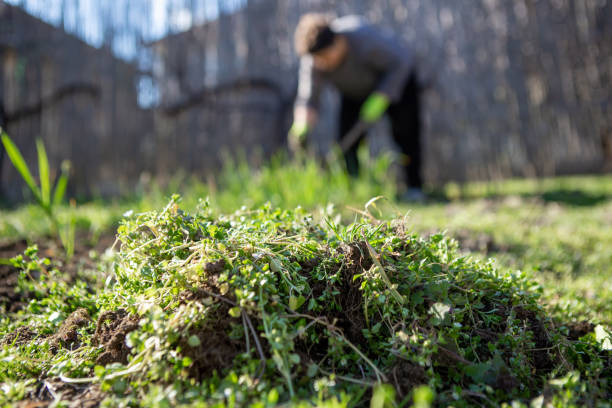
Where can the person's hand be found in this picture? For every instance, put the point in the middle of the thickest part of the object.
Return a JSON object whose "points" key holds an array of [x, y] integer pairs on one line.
{"points": [[298, 135], [374, 107], [303, 120]]}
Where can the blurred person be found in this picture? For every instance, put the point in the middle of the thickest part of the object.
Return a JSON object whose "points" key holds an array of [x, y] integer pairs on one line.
{"points": [[375, 73]]}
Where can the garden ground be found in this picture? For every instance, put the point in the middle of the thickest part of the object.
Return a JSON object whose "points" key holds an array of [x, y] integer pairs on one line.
{"points": [[557, 232]]}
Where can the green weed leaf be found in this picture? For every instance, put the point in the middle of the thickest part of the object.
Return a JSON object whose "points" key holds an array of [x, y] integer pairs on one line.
{"points": [[20, 164], [383, 397], [604, 337], [43, 173], [423, 397], [62, 183], [296, 302], [235, 311]]}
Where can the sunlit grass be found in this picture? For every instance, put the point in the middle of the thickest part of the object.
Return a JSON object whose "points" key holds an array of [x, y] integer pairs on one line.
{"points": [[557, 230]]}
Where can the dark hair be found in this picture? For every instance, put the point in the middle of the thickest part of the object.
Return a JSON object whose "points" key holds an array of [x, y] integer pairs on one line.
{"points": [[313, 33]]}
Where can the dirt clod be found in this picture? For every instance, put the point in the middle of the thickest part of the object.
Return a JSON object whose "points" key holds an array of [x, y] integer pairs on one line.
{"points": [[407, 375], [349, 317], [112, 328], [579, 329], [540, 354], [215, 349], [215, 268], [67, 336], [20, 336]]}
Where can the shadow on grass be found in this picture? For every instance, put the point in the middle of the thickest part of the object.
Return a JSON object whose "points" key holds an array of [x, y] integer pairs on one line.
{"points": [[573, 197], [569, 197]]}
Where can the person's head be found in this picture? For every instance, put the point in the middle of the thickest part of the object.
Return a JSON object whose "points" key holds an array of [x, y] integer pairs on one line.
{"points": [[314, 36]]}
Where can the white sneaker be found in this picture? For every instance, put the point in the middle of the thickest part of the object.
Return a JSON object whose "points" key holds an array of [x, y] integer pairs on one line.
{"points": [[413, 195]]}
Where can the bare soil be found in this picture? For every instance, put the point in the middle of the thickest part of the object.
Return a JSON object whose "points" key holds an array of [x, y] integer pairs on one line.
{"points": [[9, 275], [67, 335], [79, 395], [216, 349], [111, 330], [20, 336], [10, 299]]}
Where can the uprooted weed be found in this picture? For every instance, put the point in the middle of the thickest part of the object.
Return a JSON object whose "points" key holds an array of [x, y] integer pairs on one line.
{"points": [[268, 306]]}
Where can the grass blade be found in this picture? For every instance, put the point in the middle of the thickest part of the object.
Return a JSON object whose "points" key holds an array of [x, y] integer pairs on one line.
{"points": [[20, 164], [375, 258], [43, 173], [62, 182]]}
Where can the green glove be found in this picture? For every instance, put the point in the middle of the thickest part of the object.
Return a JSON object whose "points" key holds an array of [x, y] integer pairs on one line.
{"points": [[297, 134], [374, 107]]}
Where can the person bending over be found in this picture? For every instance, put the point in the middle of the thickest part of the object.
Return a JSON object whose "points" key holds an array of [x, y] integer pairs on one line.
{"points": [[375, 74]]}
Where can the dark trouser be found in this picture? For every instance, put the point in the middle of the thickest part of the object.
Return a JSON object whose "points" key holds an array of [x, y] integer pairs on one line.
{"points": [[405, 116]]}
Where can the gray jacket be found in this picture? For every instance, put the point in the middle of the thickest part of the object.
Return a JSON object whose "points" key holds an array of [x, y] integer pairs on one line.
{"points": [[376, 61]]}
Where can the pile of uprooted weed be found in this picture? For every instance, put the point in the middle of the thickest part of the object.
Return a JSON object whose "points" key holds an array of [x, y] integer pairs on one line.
{"points": [[267, 306]]}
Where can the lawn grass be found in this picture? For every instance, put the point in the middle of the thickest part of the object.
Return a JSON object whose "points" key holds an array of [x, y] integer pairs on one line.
{"points": [[564, 245], [557, 231]]}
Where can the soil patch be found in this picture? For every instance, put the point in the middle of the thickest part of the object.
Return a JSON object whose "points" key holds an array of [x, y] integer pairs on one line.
{"points": [[48, 248], [79, 396], [215, 268], [579, 329], [209, 345], [540, 355], [9, 275], [68, 336], [20, 336], [349, 316], [111, 329], [406, 375], [214, 349]]}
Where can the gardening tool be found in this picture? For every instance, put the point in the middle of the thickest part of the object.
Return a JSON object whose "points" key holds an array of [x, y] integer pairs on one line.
{"points": [[353, 135], [370, 113], [349, 139], [335, 153]]}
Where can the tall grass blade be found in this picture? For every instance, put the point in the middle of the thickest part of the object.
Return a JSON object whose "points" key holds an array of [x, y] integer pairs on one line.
{"points": [[62, 183], [43, 173], [20, 164]]}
